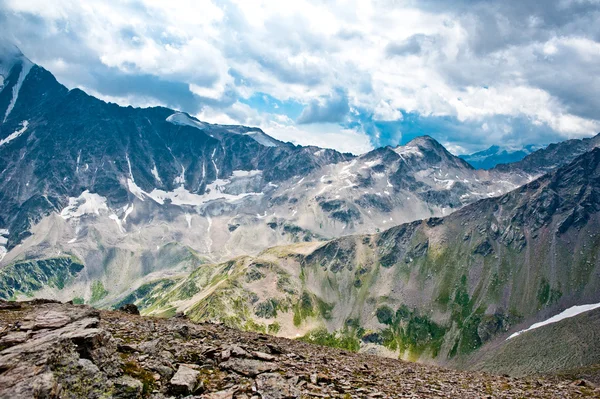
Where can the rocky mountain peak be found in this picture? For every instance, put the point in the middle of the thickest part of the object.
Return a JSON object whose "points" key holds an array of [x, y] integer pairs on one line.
{"points": [[425, 151], [425, 141]]}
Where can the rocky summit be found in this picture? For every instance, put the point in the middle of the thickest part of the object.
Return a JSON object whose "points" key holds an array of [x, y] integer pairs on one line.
{"points": [[51, 350]]}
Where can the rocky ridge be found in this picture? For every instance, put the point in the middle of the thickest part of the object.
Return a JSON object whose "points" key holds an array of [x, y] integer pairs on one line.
{"points": [[55, 350]]}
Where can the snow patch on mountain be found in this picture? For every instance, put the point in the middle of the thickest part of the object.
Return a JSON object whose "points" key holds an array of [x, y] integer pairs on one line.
{"points": [[127, 209], [16, 134], [245, 173], [179, 118], [262, 138], [26, 67], [217, 190], [86, 204], [118, 222], [135, 189], [154, 172], [408, 151], [180, 196], [3, 242], [370, 164], [181, 178], [571, 312]]}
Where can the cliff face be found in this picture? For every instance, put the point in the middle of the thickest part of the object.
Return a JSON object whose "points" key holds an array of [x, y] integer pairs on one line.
{"points": [[53, 350]]}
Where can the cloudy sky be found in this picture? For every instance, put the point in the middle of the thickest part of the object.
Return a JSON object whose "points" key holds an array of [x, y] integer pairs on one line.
{"points": [[347, 74]]}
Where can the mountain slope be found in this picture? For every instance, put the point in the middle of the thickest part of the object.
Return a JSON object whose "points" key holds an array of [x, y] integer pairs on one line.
{"points": [[570, 345], [433, 289]]}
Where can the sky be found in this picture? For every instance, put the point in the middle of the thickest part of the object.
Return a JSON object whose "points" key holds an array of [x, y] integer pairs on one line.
{"points": [[346, 74]]}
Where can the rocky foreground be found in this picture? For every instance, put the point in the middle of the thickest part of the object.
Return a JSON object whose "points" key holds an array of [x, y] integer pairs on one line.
{"points": [[50, 349]]}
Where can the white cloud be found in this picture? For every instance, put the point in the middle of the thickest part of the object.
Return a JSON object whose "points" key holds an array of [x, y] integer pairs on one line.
{"points": [[326, 135], [385, 112], [475, 63], [281, 127]]}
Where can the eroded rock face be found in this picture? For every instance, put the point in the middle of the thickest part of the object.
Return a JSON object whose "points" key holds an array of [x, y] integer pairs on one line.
{"points": [[55, 347], [54, 350]]}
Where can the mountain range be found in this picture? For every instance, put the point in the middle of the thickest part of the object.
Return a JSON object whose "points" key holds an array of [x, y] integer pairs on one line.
{"points": [[404, 251]]}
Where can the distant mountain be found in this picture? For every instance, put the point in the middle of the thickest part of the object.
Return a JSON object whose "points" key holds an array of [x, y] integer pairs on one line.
{"points": [[547, 159], [433, 289], [495, 155]]}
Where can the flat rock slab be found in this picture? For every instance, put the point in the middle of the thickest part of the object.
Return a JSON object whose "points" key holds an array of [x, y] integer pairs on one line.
{"points": [[51, 319], [275, 386], [249, 367], [13, 338]]}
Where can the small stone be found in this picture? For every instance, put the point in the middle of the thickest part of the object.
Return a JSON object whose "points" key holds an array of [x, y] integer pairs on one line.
{"points": [[228, 394], [88, 366], [130, 308], [264, 356], [238, 351], [226, 354], [249, 367], [185, 381], [314, 379], [583, 383], [190, 366], [274, 349], [128, 387]]}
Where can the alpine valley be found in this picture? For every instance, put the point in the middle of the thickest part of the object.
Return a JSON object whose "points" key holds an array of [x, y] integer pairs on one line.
{"points": [[404, 251]]}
